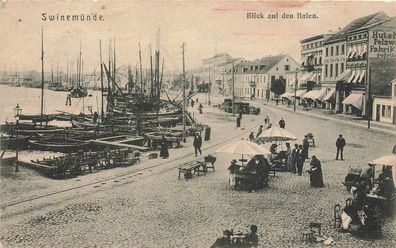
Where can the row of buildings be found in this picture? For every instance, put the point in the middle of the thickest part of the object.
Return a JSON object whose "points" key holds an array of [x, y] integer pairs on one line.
{"points": [[342, 71]]}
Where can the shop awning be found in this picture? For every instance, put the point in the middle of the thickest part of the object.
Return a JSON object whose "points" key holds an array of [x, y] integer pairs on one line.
{"points": [[345, 75], [219, 78], [352, 76], [299, 93], [330, 95], [310, 94], [349, 52], [364, 50], [322, 93], [286, 95], [354, 99], [361, 76], [306, 76], [229, 78], [353, 52], [313, 78], [357, 76]]}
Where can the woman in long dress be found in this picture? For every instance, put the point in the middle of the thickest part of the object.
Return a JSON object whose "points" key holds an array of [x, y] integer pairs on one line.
{"points": [[316, 176]]}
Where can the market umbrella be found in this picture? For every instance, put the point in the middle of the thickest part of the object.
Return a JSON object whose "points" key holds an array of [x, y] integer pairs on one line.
{"points": [[275, 134], [388, 160], [243, 147]]}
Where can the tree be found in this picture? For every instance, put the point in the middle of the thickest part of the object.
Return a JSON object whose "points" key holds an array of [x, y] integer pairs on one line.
{"points": [[278, 86]]}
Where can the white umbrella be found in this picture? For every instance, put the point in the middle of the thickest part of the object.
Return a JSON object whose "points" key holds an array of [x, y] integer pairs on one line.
{"points": [[389, 160], [243, 147], [276, 134]]}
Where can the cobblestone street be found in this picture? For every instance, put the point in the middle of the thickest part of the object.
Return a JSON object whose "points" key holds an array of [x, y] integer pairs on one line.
{"points": [[155, 209]]}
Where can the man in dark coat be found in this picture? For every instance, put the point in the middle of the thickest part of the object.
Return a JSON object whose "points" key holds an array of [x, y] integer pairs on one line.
{"points": [[340, 143], [305, 147], [259, 131], [282, 123], [294, 158], [300, 160], [164, 153], [251, 136], [197, 144], [315, 173]]}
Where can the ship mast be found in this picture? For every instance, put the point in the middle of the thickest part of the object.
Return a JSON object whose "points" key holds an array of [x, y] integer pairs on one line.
{"points": [[42, 78]]}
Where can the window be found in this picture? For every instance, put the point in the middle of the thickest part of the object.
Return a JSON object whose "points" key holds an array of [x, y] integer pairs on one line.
{"points": [[320, 60], [287, 67], [316, 61], [331, 70], [336, 69], [337, 50], [326, 71], [388, 111], [342, 68], [331, 51], [327, 52], [343, 49], [276, 68], [383, 111]]}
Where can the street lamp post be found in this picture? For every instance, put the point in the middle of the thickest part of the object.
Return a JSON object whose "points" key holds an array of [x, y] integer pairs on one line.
{"points": [[295, 92], [17, 113]]}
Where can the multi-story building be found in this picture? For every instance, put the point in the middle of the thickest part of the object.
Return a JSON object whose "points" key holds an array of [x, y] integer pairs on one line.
{"points": [[347, 55], [254, 78], [334, 64], [371, 63]]}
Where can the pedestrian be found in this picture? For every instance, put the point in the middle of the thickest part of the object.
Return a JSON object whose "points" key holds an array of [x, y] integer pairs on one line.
{"points": [[200, 108], [282, 123], [315, 173], [305, 147], [192, 103], [251, 136], [277, 101], [259, 131], [68, 100], [232, 168], [164, 153], [266, 120], [294, 158], [197, 144], [288, 157], [300, 160], [240, 114], [340, 144], [269, 126], [238, 122]]}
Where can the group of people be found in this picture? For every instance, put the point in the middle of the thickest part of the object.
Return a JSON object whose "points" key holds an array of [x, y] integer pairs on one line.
{"points": [[230, 240], [164, 145], [256, 173]]}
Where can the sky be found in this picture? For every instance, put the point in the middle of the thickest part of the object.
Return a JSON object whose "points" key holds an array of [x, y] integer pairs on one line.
{"points": [[205, 27]]}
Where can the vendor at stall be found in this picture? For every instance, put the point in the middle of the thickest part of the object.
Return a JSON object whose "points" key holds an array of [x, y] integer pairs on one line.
{"points": [[233, 168]]}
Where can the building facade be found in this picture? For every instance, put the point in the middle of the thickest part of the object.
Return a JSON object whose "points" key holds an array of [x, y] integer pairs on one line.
{"points": [[365, 45], [384, 107], [255, 79]]}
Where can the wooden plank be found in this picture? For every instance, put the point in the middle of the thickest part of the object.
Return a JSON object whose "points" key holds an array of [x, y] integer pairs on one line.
{"points": [[108, 143]]}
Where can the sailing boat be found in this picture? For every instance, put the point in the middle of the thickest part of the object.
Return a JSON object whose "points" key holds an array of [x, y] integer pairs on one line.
{"points": [[79, 91]]}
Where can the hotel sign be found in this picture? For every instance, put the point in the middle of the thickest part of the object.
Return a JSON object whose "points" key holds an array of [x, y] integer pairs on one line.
{"points": [[382, 44]]}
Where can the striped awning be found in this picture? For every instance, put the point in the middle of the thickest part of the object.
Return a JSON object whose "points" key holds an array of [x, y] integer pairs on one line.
{"points": [[363, 51], [299, 93], [321, 94], [345, 75], [313, 78], [286, 95], [330, 95], [310, 94], [354, 99], [306, 76], [357, 76], [352, 76]]}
